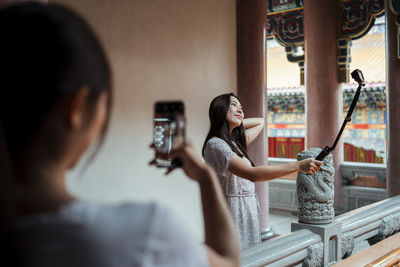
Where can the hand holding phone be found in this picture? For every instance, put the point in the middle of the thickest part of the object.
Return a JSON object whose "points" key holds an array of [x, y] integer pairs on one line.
{"points": [[169, 129]]}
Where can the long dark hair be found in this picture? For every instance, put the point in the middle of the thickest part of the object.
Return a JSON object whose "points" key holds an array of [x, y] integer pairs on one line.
{"points": [[47, 53], [220, 128]]}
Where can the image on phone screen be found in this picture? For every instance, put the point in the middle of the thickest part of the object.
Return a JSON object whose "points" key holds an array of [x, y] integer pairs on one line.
{"points": [[168, 128]]}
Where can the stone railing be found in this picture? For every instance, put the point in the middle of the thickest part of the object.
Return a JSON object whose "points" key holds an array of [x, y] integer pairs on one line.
{"points": [[351, 170], [374, 222], [291, 249]]}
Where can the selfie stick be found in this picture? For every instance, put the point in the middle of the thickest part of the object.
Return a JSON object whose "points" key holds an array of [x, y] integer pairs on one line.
{"points": [[358, 77]]}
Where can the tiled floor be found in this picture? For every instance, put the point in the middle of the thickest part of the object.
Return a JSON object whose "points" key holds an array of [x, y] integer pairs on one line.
{"points": [[280, 221]]}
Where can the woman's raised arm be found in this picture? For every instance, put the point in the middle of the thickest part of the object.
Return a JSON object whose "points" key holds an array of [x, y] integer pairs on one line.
{"points": [[241, 168], [252, 128]]}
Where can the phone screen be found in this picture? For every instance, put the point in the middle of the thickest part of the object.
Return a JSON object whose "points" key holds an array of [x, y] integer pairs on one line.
{"points": [[169, 128]]}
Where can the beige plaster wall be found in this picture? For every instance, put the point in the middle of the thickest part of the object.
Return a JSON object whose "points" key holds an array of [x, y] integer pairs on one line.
{"points": [[159, 50]]}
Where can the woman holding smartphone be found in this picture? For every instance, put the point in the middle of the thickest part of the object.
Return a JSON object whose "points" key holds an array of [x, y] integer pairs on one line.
{"points": [[225, 148], [55, 101]]}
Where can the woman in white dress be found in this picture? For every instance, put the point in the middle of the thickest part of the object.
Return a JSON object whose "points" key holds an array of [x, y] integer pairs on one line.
{"points": [[225, 149]]}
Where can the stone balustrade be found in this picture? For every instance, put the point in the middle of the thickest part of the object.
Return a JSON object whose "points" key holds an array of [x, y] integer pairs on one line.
{"points": [[374, 222], [297, 247]]}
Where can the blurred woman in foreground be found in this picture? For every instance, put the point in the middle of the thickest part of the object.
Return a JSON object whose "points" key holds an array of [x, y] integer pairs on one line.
{"points": [[55, 101]]}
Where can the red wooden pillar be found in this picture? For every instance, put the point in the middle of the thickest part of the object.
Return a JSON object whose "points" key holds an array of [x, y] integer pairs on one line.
{"points": [[393, 107], [323, 92], [251, 21]]}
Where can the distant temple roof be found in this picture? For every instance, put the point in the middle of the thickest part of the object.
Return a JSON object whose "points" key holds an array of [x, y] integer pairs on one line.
{"points": [[299, 90], [373, 96]]}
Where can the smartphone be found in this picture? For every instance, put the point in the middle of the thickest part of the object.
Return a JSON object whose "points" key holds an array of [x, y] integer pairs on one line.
{"points": [[168, 129]]}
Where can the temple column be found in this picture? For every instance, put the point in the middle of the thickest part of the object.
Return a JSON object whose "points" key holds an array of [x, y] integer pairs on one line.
{"points": [[393, 96], [324, 105], [251, 21]]}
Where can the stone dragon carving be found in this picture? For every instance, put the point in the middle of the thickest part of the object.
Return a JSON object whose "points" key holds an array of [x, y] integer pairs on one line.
{"points": [[315, 192], [314, 255], [347, 244], [389, 226]]}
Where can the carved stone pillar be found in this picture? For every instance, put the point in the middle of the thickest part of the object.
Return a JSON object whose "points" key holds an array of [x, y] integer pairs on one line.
{"points": [[315, 191], [393, 96], [251, 21], [323, 93]]}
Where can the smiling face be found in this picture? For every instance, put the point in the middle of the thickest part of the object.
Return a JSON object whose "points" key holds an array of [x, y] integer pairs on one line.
{"points": [[234, 116]]}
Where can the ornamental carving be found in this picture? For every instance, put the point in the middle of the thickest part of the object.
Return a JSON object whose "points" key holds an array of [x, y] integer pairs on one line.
{"points": [[314, 255], [285, 23], [358, 16], [315, 191], [389, 226], [347, 244], [288, 28]]}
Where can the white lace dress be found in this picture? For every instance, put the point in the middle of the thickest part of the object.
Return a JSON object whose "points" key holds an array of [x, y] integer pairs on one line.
{"points": [[239, 192]]}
